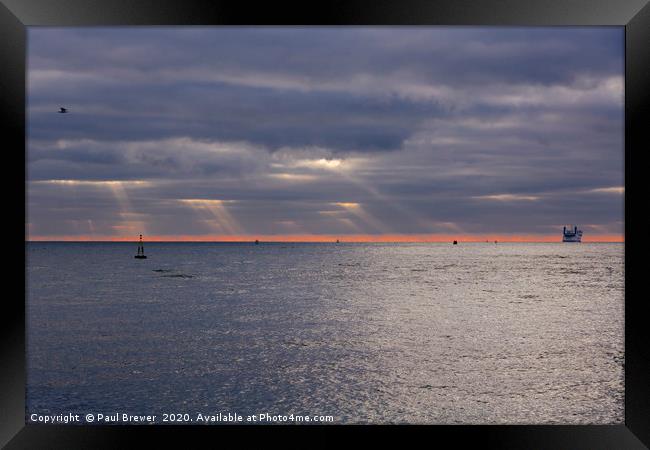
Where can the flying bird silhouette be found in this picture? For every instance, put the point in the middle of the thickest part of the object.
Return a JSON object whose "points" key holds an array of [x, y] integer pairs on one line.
{"points": [[63, 110]]}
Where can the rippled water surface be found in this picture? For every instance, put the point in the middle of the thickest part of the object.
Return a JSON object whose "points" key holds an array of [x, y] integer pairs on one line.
{"points": [[367, 333]]}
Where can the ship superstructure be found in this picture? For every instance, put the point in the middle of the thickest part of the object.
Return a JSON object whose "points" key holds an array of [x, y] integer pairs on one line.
{"points": [[572, 234]]}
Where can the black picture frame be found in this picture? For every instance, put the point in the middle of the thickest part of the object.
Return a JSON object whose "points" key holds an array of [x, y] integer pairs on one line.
{"points": [[16, 15]]}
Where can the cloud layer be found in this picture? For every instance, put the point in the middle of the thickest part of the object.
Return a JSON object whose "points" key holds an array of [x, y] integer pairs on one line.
{"points": [[324, 131]]}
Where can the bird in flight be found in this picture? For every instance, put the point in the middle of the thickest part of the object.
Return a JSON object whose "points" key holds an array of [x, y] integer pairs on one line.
{"points": [[63, 110]]}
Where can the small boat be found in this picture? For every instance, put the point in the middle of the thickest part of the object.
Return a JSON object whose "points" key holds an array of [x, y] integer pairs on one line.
{"points": [[140, 254], [257, 242], [455, 242]]}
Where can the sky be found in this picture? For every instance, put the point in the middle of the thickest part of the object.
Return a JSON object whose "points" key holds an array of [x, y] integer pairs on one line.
{"points": [[323, 133]]}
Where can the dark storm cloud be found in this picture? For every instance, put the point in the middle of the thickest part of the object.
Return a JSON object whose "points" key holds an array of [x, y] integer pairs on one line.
{"points": [[448, 55], [224, 112], [324, 130]]}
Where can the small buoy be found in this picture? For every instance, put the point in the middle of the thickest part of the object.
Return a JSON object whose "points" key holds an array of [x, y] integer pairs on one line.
{"points": [[257, 242], [337, 241], [140, 254], [455, 242]]}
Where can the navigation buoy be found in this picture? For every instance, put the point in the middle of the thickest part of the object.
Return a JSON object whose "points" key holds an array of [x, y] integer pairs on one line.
{"points": [[257, 242], [455, 242], [140, 254]]}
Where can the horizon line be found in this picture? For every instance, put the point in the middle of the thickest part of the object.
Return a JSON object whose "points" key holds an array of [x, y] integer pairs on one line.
{"points": [[387, 238]]}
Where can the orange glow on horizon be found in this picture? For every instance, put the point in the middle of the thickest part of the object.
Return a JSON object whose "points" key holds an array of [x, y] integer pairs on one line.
{"points": [[331, 238]]}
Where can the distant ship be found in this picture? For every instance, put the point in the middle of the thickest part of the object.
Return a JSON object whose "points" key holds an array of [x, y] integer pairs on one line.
{"points": [[572, 235]]}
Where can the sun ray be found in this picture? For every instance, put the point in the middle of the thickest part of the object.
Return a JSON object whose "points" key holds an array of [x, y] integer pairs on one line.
{"points": [[118, 188], [360, 213], [216, 209], [403, 210], [126, 210]]}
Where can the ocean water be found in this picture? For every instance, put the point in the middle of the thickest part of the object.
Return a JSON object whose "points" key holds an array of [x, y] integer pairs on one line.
{"points": [[477, 333]]}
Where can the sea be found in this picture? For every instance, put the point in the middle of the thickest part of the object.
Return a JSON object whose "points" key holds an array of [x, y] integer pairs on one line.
{"points": [[349, 333]]}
